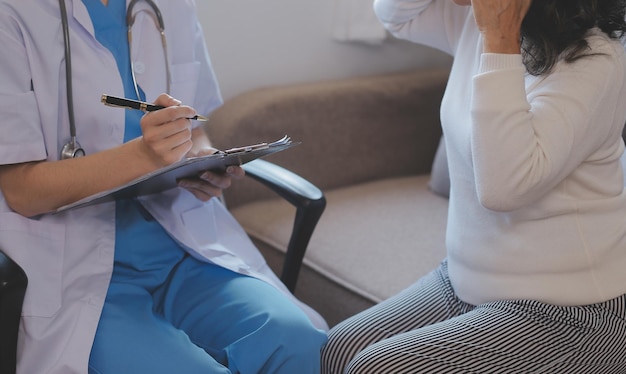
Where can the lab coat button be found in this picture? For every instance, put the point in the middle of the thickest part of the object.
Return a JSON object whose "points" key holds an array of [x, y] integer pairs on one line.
{"points": [[139, 67]]}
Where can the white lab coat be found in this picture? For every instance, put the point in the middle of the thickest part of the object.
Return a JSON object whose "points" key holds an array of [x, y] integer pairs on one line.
{"points": [[68, 257]]}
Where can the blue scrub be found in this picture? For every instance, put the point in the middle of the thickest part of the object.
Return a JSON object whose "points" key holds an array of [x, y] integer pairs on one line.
{"points": [[165, 311]]}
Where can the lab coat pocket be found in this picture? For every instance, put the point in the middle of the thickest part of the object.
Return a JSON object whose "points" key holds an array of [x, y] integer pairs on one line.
{"points": [[185, 81], [38, 248], [206, 230]]}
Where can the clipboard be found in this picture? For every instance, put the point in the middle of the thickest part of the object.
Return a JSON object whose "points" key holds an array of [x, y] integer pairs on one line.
{"points": [[168, 177]]}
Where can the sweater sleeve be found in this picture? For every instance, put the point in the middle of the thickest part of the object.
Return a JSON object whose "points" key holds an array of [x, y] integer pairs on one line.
{"points": [[529, 135], [435, 23]]}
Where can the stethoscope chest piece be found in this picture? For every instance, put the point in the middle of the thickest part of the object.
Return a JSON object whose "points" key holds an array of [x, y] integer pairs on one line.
{"points": [[72, 149]]}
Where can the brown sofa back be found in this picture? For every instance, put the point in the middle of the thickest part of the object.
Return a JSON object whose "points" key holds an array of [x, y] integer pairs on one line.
{"points": [[351, 130]]}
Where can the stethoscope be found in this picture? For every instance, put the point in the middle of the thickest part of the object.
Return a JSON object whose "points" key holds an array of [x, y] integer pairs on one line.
{"points": [[72, 148]]}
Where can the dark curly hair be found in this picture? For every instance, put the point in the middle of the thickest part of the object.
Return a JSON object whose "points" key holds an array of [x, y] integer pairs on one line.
{"points": [[555, 30]]}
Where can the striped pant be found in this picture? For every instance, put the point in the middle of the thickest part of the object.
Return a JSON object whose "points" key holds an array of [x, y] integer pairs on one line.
{"points": [[427, 329]]}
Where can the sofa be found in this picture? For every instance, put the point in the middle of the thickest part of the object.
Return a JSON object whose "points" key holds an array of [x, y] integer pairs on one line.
{"points": [[370, 144]]}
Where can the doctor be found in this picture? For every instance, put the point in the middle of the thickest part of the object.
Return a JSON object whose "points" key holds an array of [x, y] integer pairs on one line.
{"points": [[167, 284]]}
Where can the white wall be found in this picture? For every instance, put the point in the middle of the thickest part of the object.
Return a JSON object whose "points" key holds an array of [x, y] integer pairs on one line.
{"points": [[255, 43]]}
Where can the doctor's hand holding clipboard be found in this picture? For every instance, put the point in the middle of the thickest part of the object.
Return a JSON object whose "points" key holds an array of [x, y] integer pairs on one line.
{"points": [[168, 137]]}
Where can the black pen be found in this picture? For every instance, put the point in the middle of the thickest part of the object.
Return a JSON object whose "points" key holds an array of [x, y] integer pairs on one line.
{"points": [[138, 105]]}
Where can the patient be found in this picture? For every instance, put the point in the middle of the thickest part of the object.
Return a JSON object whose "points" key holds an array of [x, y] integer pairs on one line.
{"points": [[534, 277], [166, 284]]}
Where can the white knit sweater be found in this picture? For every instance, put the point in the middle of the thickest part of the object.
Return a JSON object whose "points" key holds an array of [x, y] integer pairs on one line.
{"points": [[537, 203]]}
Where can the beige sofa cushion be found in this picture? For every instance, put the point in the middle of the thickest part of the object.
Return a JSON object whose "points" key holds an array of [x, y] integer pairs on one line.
{"points": [[373, 240]]}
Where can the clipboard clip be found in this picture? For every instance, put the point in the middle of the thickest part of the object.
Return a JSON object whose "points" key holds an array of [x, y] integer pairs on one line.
{"points": [[248, 148], [254, 147]]}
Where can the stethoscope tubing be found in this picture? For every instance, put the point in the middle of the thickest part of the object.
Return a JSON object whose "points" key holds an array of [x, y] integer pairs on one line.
{"points": [[130, 21], [72, 149]]}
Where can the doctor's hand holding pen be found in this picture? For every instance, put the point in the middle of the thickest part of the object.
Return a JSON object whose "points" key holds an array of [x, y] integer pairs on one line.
{"points": [[168, 137]]}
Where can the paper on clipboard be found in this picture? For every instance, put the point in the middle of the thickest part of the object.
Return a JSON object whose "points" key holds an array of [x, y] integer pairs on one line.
{"points": [[167, 177]]}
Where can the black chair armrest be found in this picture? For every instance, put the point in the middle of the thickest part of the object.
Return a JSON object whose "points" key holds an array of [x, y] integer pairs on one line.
{"points": [[13, 282], [309, 202]]}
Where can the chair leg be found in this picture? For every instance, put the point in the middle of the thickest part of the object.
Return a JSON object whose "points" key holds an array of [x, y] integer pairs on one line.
{"points": [[13, 283], [304, 224]]}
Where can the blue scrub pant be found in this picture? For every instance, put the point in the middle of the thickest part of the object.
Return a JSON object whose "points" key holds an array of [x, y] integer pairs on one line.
{"points": [[203, 319]]}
